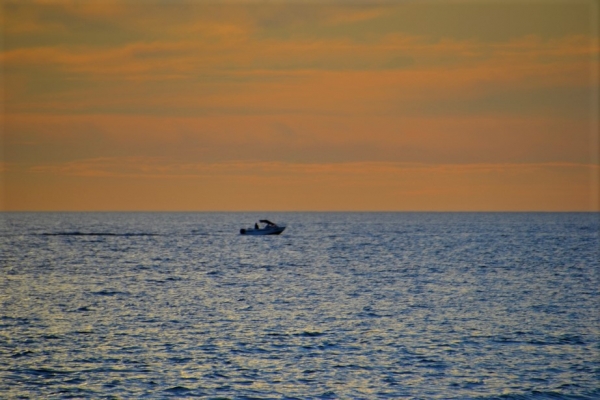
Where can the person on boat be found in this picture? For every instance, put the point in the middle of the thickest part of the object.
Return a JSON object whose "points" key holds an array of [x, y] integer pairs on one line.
{"points": [[255, 225]]}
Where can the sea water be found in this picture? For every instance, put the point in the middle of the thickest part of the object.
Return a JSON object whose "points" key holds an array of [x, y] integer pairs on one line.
{"points": [[340, 306]]}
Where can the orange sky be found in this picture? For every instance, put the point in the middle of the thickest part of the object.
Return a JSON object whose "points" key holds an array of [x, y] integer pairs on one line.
{"points": [[199, 105]]}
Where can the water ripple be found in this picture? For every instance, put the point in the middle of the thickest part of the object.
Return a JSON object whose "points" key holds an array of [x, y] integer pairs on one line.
{"points": [[342, 305]]}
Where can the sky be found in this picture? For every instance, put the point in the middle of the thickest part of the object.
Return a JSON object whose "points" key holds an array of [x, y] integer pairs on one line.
{"points": [[121, 105]]}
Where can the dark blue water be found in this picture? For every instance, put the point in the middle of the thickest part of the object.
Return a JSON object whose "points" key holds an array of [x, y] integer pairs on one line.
{"points": [[341, 305]]}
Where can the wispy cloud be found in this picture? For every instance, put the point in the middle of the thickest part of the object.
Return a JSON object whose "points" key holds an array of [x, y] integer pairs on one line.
{"points": [[393, 99], [332, 186], [299, 138], [191, 56], [152, 167]]}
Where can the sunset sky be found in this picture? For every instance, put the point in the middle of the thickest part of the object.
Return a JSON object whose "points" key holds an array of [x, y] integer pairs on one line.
{"points": [[198, 105]]}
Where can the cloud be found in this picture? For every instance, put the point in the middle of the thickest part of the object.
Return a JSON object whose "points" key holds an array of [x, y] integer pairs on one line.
{"points": [[358, 14], [371, 102], [154, 167], [143, 183], [399, 75], [189, 57], [298, 138], [223, 65]]}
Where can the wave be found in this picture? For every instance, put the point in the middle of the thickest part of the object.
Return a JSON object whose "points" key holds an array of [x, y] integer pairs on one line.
{"points": [[542, 395]]}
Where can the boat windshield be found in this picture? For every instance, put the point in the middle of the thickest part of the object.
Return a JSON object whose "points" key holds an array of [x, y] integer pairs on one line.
{"points": [[269, 223]]}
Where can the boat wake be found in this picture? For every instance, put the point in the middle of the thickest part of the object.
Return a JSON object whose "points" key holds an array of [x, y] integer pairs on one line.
{"points": [[76, 233]]}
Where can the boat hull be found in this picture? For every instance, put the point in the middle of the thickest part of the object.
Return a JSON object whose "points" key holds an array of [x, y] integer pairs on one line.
{"points": [[276, 230]]}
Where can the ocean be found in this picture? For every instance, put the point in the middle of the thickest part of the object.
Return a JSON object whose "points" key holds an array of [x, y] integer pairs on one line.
{"points": [[340, 306]]}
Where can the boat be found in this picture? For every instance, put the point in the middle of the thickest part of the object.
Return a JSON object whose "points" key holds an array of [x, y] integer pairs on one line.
{"points": [[268, 228]]}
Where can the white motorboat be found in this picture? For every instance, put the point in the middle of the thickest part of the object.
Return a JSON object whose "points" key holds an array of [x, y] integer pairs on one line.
{"points": [[268, 228]]}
